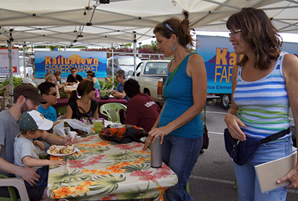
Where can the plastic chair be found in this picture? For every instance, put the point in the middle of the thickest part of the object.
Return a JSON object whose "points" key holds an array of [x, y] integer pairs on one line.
{"points": [[112, 111], [18, 183]]}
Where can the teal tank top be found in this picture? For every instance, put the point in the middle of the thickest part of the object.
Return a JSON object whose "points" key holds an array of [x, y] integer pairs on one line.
{"points": [[178, 94]]}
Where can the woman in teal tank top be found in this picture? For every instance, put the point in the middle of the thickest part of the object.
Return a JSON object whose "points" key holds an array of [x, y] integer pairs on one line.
{"points": [[179, 124], [264, 84]]}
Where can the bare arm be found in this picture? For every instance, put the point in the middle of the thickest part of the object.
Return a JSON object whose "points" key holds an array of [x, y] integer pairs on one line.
{"points": [[290, 72], [28, 174], [53, 139], [68, 113], [34, 162], [118, 94], [196, 70], [232, 121], [95, 115]]}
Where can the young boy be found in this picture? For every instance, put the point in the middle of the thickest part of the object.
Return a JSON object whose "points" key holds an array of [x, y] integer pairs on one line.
{"points": [[32, 124]]}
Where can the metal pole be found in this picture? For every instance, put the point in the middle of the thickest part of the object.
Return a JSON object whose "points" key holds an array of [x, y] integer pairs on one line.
{"points": [[113, 64], [24, 59], [134, 53], [10, 71]]}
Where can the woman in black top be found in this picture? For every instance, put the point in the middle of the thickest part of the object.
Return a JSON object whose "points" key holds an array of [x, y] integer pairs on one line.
{"points": [[84, 106]]}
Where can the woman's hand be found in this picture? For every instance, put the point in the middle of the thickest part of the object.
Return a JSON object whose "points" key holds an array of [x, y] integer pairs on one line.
{"points": [[291, 177], [154, 134], [233, 123]]}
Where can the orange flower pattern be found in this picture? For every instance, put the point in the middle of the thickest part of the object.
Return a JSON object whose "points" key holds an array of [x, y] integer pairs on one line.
{"points": [[103, 167]]}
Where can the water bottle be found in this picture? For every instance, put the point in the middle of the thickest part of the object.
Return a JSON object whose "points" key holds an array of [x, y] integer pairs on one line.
{"points": [[156, 161]]}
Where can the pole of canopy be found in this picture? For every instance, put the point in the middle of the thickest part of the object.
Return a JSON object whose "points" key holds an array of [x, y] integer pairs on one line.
{"points": [[135, 52], [24, 59], [113, 64], [10, 71]]}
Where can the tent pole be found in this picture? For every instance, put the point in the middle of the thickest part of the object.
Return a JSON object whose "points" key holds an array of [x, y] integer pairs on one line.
{"points": [[10, 71], [24, 59], [113, 64], [134, 53]]}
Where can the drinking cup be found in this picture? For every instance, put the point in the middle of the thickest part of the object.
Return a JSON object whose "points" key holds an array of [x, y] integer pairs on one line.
{"points": [[97, 125]]}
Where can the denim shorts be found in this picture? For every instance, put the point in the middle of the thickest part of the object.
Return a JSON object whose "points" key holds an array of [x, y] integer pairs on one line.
{"points": [[247, 182]]}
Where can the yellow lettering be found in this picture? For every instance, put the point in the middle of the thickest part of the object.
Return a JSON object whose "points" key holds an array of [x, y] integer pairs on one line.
{"points": [[47, 60], [233, 59], [230, 73], [89, 60], [221, 56], [224, 74], [83, 61], [54, 61], [216, 72], [95, 61]]}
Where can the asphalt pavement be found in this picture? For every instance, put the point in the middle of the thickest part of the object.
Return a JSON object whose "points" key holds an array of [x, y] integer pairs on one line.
{"points": [[213, 178]]}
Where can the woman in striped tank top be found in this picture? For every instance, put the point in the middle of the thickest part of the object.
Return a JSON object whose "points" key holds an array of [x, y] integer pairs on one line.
{"points": [[264, 86]]}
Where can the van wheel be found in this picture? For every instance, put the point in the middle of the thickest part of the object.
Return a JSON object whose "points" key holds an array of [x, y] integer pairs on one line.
{"points": [[225, 100]]}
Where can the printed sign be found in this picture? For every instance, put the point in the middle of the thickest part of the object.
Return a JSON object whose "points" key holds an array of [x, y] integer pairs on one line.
{"points": [[4, 61], [63, 61]]}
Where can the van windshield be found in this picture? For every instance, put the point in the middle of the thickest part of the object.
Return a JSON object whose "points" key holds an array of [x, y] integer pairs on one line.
{"points": [[128, 61]]}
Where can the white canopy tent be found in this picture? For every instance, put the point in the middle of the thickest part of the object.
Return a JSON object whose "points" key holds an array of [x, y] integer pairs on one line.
{"points": [[91, 23], [94, 23]]}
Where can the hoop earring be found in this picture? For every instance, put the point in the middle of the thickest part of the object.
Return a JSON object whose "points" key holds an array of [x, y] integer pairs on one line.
{"points": [[173, 48]]}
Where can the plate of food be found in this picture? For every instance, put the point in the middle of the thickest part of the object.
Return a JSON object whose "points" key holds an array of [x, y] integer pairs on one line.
{"points": [[59, 150]]}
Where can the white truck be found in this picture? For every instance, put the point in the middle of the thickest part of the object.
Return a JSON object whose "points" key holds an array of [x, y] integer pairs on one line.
{"points": [[151, 76]]}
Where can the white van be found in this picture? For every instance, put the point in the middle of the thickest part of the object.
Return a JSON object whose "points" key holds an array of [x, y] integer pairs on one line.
{"points": [[125, 63]]}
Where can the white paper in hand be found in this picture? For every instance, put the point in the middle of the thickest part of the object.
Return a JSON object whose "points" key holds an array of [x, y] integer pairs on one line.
{"points": [[268, 173]]}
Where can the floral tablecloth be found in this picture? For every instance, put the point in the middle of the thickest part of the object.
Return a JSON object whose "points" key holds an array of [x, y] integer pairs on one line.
{"points": [[107, 170]]}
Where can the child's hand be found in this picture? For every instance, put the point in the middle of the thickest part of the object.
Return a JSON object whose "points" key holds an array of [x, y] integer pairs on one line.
{"points": [[39, 143], [56, 163]]}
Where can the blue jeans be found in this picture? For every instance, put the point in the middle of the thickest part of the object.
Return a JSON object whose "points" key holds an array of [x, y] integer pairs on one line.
{"points": [[180, 154], [247, 181]]}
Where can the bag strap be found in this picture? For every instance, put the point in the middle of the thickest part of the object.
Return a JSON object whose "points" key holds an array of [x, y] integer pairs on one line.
{"points": [[85, 113], [174, 72], [205, 116], [275, 136]]}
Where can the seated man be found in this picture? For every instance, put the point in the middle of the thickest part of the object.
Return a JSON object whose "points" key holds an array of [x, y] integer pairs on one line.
{"points": [[49, 94], [119, 92], [26, 97], [73, 78], [142, 111]]}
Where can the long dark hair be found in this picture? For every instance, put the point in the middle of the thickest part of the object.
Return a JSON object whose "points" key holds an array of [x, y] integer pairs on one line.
{"points": [[84, 87], [258, 31], [178, 27]]}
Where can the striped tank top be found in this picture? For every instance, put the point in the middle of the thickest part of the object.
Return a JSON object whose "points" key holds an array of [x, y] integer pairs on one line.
{"points": [[263, 105]]}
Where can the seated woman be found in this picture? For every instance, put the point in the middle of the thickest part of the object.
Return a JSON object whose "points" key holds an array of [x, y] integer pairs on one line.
{"points": [[51, 78], [85, 106], [91, 76]]}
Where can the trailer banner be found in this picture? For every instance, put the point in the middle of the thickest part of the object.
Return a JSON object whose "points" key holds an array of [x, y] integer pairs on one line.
{"points": [[63, 61]]}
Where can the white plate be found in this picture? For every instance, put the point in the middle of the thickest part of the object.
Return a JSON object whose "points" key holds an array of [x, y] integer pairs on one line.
{"points": [[75, 150]]}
